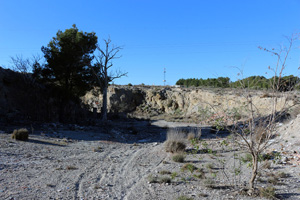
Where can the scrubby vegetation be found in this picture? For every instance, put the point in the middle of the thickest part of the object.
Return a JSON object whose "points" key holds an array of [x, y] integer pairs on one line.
{"points": [[178, 158], [174, 146], [285, 83], [20, 134]]}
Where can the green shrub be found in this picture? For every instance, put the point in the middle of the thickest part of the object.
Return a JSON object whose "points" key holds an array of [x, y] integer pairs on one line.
{"points": [[209, 166], [173, 175], [174, 146], [20, 134], [189, 166], [178, 158], [247, 158], [201, 174]]}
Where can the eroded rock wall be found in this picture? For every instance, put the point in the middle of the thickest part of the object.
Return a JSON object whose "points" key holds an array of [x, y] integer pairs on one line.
{"points": [[187, 102]]}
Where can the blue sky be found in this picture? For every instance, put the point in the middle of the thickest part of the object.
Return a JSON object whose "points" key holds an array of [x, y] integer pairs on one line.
{"points": [[191, 38]]}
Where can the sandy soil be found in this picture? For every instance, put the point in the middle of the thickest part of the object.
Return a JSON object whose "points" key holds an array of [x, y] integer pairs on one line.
{"points": [[73, 162]]}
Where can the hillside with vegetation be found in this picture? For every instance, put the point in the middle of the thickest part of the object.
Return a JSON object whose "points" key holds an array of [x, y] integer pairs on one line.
{"points": [[285, 83]]}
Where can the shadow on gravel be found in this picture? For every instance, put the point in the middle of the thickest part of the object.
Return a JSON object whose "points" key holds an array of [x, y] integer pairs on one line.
{"points": [[123, 130], [287, 195]]}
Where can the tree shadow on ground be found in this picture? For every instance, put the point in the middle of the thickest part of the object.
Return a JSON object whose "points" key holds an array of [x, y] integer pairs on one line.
{"points": [[122, 130], [287, 195]]}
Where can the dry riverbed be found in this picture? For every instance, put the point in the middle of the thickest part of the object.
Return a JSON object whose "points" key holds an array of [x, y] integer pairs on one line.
{"points": [[118, 162]]}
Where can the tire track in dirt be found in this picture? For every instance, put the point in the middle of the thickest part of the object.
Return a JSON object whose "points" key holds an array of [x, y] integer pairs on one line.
{"points": [[92, 173], [120, 171]]}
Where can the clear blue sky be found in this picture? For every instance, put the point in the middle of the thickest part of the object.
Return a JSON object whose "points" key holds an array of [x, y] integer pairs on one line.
{"points": [[191, 38]]}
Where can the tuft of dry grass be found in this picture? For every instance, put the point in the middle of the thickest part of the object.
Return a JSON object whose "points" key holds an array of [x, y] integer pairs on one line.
{"points": [[266, 165], [163, 172], [184, 198], [209, 183], [191, 136], [164, 179], [178, 158], [189, 166], [175, 146], [20, 134], [282, 175], [98, 149], [268, 192]]}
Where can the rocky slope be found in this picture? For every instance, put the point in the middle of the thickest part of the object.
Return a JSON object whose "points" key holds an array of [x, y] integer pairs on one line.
{"points": [[186, 103]]}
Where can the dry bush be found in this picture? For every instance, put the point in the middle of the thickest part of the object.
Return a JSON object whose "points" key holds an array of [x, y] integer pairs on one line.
{"points": [[183, 133], [178, 158], [70, 167], [152, 179], [184, 198], [191, 136], [164, 179], [268, 192], [282, 175], [175, 146], [20, 134], [189, 166], [164, 172], [266, 165]]}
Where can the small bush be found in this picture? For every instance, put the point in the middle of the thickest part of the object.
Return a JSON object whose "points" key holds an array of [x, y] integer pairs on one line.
{"points": [[282, 175], [209, 183], [191, 136], [266, 165], [71, 167], [273, 180], [98, 149], [174, 146], [201, 175], [178, 158], [173, 175], [152, 179], [268, 192], [189, 166], [247, 158], [210, 166], [20, 134], [184, 198], [164, 179], [163, 172]]}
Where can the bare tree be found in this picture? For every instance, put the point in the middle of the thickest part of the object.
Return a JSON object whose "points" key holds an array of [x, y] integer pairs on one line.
{"points": [[25, 66], [256, 132], [104, 76]]}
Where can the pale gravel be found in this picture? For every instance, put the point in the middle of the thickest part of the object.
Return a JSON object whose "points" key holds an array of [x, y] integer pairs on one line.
{"points": [[38, 168]]}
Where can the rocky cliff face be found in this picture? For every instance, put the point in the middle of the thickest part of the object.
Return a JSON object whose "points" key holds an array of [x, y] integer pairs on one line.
{"points": [[171, 101], [20, 98]]}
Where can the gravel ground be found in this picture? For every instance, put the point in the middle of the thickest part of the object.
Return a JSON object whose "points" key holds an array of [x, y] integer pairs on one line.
{"points": [[59, 162]]}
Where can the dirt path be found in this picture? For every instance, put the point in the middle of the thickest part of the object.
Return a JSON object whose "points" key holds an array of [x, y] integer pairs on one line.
{"points": [[50, 168]]}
